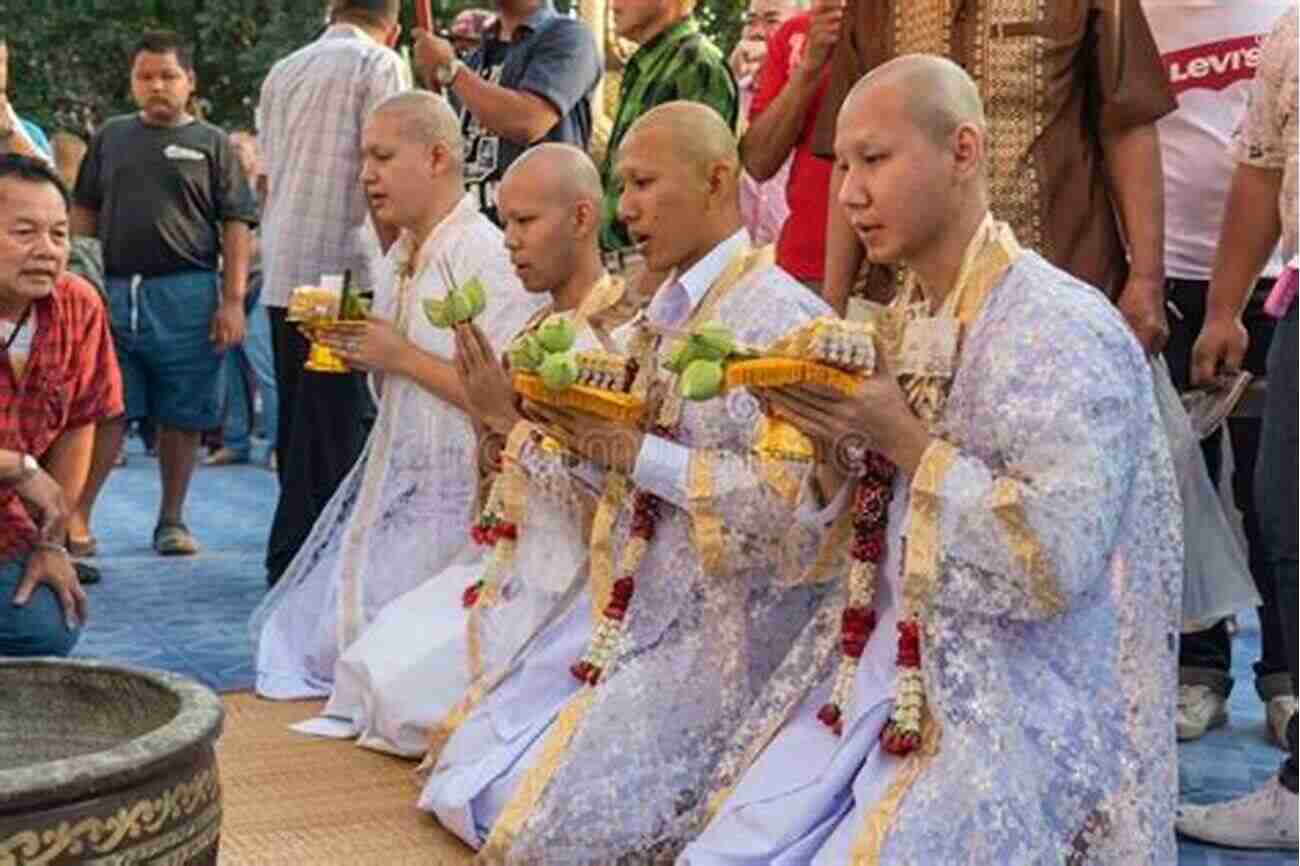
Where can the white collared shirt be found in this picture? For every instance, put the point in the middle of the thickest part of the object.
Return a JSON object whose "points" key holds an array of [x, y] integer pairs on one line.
{"points": [[662, 466]]}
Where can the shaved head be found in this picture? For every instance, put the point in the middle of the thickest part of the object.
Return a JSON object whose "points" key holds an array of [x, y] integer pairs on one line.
{"points": [[938, 95], [558, 172], [688, 131], [680, 175], [550, 205], [411, 161], [912, 131], [425, 118]]}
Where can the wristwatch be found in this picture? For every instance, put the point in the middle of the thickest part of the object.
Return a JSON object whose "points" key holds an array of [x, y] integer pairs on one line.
{"points": [[445, 75], [27, 467]]}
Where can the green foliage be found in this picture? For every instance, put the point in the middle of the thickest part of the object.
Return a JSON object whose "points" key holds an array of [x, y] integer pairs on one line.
{"points": [[69, 59], [721, 20]]}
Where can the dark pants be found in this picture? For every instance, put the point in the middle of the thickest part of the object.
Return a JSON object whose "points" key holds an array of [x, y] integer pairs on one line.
{"points": [[324, 421], [1275, 493], [1205, 657]]}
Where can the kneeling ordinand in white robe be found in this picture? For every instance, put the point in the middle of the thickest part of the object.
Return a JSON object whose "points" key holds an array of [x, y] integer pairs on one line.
{"points": [[427, 647], [1041, 537], [404, 512]]}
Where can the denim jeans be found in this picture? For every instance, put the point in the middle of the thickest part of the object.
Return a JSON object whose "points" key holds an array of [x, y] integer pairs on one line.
{"points": [[1205, 657], [250, 369], [1275, 493], [38, 627]]}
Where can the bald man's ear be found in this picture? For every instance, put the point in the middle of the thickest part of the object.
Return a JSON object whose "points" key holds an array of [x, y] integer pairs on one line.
{"points": [[586, 219], [968, 151], [722, 179], [440, 158]]}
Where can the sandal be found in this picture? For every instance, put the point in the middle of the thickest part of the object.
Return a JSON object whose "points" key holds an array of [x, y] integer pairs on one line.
{"points": [[174, 539]]}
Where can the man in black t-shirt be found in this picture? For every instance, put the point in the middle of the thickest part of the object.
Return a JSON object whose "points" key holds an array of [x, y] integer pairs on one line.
{"points": [[165, 195]]}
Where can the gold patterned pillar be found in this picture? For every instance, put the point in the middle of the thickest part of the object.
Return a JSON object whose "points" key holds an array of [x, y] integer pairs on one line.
{"points": [[614, 53], [594, 13]]}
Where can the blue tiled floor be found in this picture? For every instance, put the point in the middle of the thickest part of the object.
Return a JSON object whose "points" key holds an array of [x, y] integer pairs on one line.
{"points": [[190, 616], [184, 614]]}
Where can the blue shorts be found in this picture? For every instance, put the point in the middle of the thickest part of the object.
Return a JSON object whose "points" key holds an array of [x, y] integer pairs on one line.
{"points": [[170, 369]]}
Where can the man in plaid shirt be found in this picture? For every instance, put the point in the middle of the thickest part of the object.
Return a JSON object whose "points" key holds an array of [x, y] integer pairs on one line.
{"points": [[58, 378], [313, 105]]}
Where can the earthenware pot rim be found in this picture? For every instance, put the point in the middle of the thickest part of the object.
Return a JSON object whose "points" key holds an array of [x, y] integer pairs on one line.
{"points": [[198, 720]]}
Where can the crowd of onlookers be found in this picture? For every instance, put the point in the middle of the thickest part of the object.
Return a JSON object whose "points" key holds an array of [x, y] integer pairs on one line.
{"points": [[183, 242]]}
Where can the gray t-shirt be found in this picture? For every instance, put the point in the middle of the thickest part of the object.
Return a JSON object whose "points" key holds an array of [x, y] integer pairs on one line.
{"points": [[162, 194], [550, 56]]}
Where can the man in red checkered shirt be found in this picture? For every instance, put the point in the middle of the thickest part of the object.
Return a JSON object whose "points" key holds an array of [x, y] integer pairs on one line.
{"points": [[58, 377]]}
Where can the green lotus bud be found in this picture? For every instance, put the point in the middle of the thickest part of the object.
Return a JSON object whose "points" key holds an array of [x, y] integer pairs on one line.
{"points": [[458, 307], [525, 353], [556, 334], [702, 380], [712, 341], [476, 295], [558, 371], [679, 357], [436, 312]]}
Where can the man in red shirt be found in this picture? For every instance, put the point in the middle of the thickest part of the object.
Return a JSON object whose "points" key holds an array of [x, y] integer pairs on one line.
{"points": [[58, 377], [782, 118]]}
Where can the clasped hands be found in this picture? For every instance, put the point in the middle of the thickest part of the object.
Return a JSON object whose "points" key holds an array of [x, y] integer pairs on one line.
{"points": [[876, 416], [842, 427], [493, 400]]}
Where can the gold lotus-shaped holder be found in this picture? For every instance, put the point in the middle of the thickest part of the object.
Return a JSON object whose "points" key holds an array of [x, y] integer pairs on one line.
{"points": [[313, 308], [613, 406], [831, 352], [603, 389]]}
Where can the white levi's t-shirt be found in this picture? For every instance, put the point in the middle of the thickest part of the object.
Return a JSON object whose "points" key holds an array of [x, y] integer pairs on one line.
{"points": [[1210, 49]]}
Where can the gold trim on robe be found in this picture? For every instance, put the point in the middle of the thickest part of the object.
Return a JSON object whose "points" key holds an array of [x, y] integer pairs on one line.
{"points": [[921, 559], [867, 846], [600, 299], [443, 729], [601, 571], [534, 781], [706, 524], [1009, 508]]}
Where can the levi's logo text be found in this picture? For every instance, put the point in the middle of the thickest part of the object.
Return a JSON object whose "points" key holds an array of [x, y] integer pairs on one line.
{"points": [[1213, 65]]}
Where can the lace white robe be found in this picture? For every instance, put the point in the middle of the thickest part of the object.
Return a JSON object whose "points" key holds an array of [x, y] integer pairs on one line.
{"points": [[631, 783], [404, 512], [424, 649], [1050, 639]]}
